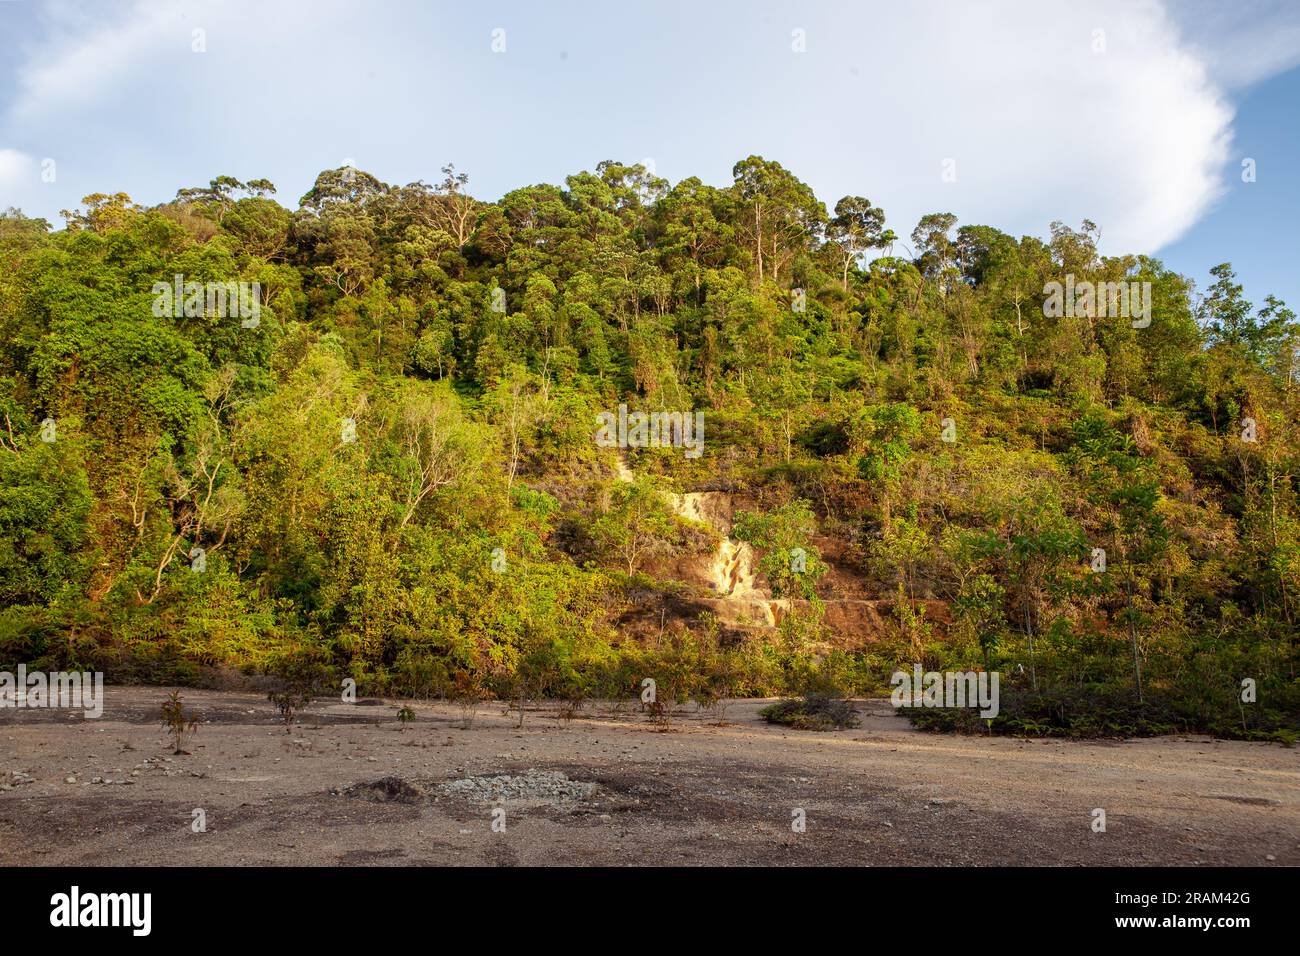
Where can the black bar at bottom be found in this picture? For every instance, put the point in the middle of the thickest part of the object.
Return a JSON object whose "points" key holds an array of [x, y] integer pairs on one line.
{"points": [[330, 905]]}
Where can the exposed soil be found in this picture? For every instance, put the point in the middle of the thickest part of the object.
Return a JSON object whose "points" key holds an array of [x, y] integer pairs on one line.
{"points": [[347, 786]]}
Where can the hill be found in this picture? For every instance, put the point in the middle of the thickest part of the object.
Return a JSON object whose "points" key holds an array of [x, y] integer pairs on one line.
{"points": [[725, 438]]}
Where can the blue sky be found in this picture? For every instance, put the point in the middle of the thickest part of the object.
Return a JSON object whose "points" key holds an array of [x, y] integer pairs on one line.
{"points": [[1133, 113], [1253, 225]]}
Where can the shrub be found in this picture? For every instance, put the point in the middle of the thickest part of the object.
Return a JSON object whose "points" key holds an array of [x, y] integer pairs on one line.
{"points": [[404, 716], [1060, 712], [467, 692], [814, 711], [303, 677], [177, 721]]}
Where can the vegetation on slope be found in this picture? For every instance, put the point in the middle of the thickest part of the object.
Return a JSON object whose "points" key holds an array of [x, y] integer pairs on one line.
{"points": [[391, 473]]}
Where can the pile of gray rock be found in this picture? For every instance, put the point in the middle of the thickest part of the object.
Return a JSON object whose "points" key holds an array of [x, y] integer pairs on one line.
{"points": [[551, 786]]}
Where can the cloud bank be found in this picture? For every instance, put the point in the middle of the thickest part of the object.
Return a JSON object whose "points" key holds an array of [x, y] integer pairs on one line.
{"points": [[1047, 108]]}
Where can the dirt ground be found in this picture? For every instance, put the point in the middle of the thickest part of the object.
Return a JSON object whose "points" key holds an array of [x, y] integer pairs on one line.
{"points": [[348, 787]]}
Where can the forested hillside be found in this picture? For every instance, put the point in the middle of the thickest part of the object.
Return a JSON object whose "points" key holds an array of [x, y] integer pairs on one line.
{"points": [[389, 468]]}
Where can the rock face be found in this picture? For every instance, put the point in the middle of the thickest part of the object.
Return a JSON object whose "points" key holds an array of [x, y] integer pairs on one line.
{"points": [[857, 616], [732, 574], [729, 585]]}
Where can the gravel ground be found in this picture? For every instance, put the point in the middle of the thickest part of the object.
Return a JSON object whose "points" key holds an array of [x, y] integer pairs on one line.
{"points": [[347, 787]]}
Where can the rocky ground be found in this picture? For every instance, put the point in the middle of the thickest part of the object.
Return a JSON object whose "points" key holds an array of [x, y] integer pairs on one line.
{"points": [[350, 786]]}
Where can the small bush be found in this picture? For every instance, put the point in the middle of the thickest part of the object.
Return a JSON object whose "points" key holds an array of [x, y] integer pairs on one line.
{"points": [[1095, 712], [812, 712], [659, 714], [177, 721], [467, 693], [404, 716], [302, 677]]}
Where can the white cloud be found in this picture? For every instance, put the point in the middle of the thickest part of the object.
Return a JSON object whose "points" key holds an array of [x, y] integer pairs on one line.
{"points": [[1042, 124], [1242, 42], [90, 55], [1136, 138], [16, 171], [84, 64]]}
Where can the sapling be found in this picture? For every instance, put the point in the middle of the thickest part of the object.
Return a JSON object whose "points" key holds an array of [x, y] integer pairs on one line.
{"points": [[404, 717], [177, 721]]}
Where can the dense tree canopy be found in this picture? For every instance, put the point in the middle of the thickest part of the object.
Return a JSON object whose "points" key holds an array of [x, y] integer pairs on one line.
{"points": [[393, 467]]}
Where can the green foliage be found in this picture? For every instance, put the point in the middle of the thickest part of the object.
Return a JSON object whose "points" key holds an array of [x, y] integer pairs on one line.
{"points": [[303, 676], [812, 712], [636, 524], [791, 563], [45, 505], [395, 466], [1062, 712], [177, 721]]}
